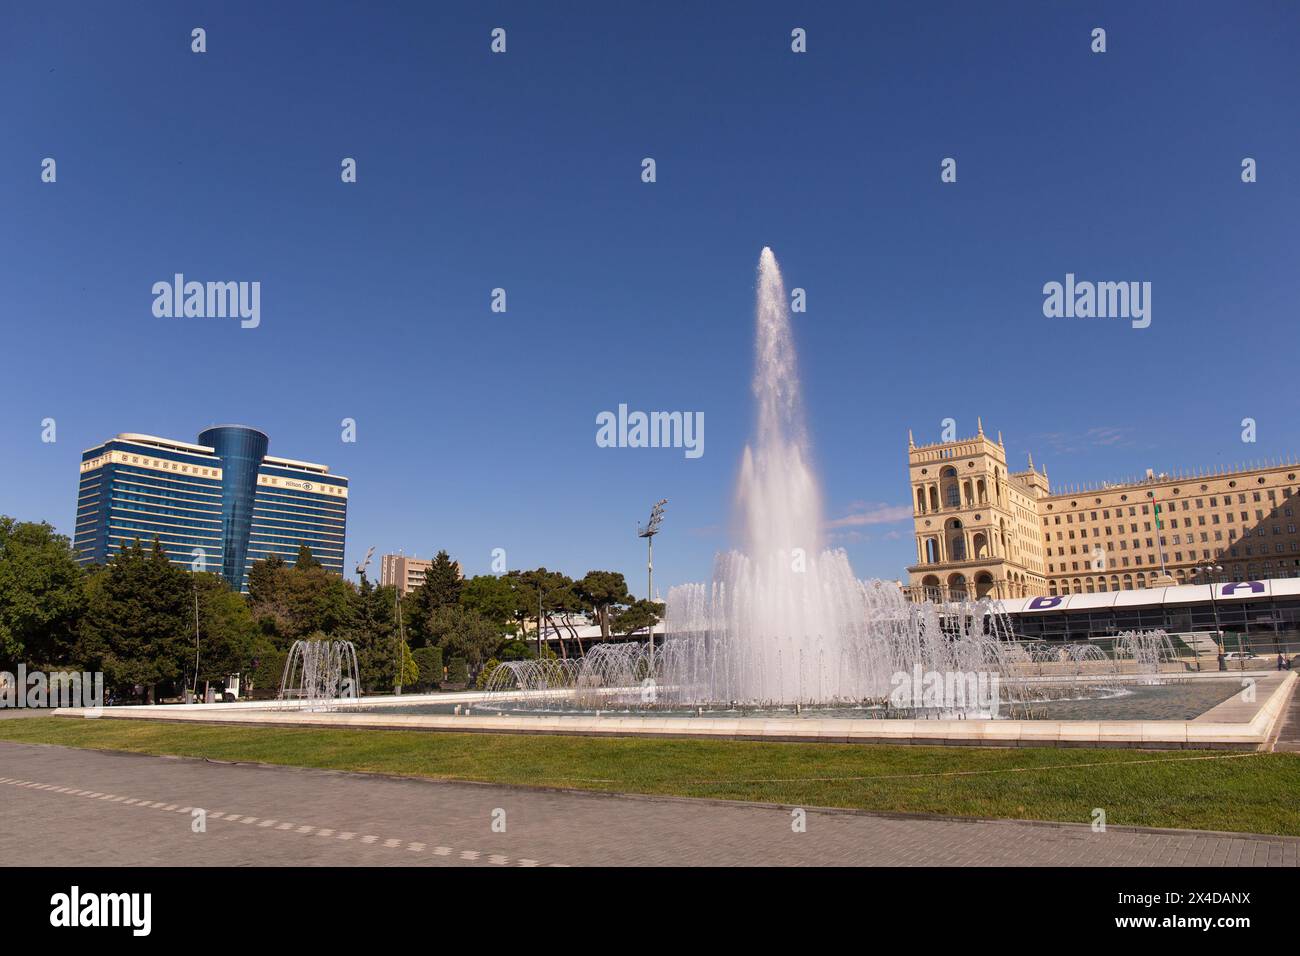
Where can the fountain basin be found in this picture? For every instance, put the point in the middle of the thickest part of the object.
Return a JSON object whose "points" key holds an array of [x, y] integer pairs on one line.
{"points": [[1231, 725]]}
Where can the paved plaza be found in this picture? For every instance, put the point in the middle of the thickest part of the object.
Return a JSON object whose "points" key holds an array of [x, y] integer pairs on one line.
{"points": [[68, 807]]}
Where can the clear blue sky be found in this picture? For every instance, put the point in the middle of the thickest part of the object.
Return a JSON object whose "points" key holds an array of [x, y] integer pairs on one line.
{"points": [[477, 430]]}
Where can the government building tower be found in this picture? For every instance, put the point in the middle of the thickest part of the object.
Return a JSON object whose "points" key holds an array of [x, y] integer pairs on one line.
{"points": [[982, 529], [217, 505]]}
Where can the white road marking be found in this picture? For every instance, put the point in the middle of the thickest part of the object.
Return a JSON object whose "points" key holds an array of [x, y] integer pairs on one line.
{"points": [[414, 846]]}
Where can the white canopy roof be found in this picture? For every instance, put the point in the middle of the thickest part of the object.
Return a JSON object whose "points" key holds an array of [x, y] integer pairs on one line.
{"points": [[1147, 597]]}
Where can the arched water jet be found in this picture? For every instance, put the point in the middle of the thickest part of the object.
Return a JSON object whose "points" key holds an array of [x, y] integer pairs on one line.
{"points": [[318, 674]]}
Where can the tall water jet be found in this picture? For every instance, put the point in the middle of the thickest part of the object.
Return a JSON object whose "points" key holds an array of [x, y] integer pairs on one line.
{"points": [[777, 493], [783, 620]]}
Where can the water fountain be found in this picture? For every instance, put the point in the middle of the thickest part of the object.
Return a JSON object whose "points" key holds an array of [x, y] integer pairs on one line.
{"points": [[786, 627], [317, 674], [786, 630], [1148, 650], [785, 620]]}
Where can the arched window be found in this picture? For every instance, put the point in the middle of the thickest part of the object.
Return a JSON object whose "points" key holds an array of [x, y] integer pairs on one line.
{"points": [[951, 487], [955, 537]]}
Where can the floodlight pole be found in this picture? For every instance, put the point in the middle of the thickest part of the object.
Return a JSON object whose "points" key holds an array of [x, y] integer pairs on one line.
{"points": [[648, 532], [650, 592]]}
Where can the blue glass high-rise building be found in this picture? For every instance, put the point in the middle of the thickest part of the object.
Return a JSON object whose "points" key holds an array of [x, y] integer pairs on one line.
{"points": [[216, 505]]}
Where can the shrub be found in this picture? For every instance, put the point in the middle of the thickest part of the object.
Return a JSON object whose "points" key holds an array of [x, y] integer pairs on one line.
{"points": [[268, 672], [486, 673], [457, 672], [429, 660]]}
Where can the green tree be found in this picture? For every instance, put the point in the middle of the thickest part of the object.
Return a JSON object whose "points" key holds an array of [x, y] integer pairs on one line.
{"points": [[515, 650], [305, 561], [493, 598], [409, 671], [603, 590], [227, 632], [440, 588], [443, 580], [429, 660], [524, 590], [458, 671], [263, 580], [561, 605], [463, 633], [293, 602], [139, 625], [42, 596], [485, 674], [371, 629], [267, 669], [557, 596], [637, 615]]}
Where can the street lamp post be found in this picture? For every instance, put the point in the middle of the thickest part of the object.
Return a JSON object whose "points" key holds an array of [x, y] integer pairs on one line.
{"points": [[648, 532], [1208, 572], [401, 641], [194, 691]]}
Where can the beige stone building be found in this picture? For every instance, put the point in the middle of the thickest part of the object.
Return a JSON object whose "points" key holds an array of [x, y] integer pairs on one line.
{"points": [[984, 529], [405, 573]]}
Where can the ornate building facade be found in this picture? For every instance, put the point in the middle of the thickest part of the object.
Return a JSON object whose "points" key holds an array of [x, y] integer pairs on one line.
{"points": [[982, 529]]}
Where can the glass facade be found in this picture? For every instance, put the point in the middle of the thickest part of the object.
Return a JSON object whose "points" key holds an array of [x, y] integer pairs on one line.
{"points": [[218, 505], [240, 451]]}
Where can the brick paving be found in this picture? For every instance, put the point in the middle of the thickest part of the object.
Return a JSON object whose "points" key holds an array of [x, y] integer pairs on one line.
{"points": [[64, 806]]}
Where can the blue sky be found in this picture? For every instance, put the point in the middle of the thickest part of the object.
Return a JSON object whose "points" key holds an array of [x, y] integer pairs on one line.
{"points": [[477, 430]]}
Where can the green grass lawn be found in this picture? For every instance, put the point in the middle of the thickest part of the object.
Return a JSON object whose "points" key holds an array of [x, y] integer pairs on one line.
{"points": [[1253, 793]]}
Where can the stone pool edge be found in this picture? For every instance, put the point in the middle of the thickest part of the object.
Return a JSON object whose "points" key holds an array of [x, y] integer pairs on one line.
{"points": [[1196, 734]]}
